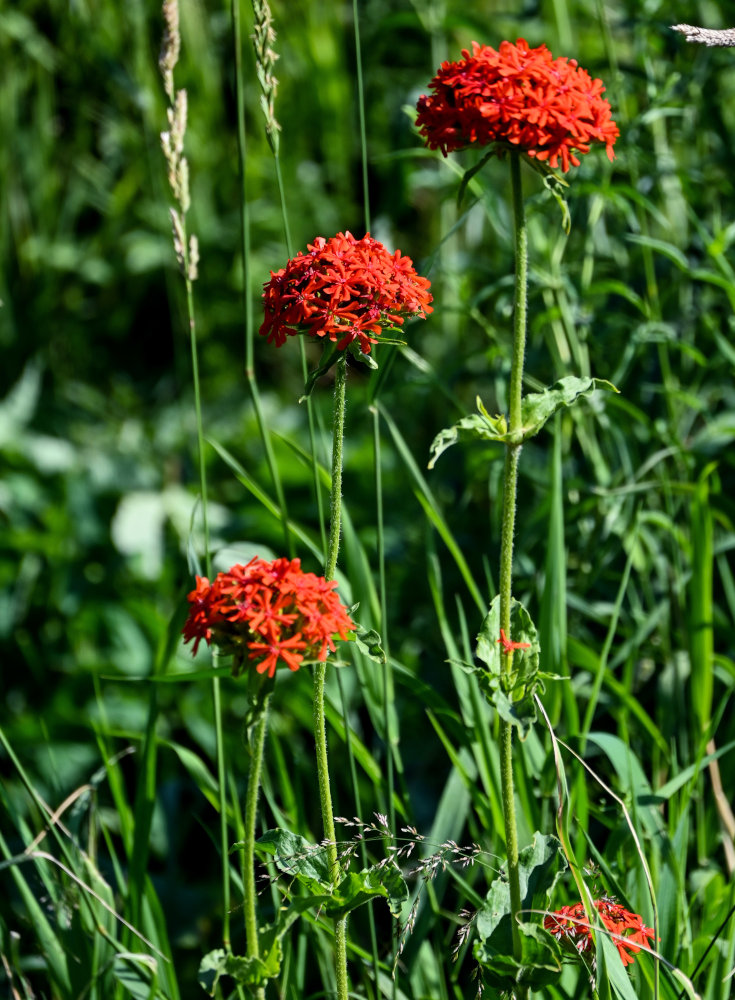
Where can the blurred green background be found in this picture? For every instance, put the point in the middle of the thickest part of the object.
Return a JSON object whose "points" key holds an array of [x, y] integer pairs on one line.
{"points": [[99, 483]]}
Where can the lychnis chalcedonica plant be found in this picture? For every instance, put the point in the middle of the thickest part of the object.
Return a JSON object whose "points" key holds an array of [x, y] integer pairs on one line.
{"points": [[523, 105], [350, 293]]}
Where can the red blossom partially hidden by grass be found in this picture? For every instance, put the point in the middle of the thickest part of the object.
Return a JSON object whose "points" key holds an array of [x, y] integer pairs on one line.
{"points": [[272, 612], [343, 289], [570, 926], [549, 108]]}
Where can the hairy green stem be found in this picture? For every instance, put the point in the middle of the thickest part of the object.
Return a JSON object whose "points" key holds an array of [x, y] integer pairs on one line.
{"points": [[320, 673], [510, 480], [257, 744], [338, 433]]}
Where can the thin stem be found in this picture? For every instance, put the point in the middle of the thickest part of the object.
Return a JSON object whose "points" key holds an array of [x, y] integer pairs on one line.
{"points": [[387, 673], [216, 694], [257, 744], [338, 433], [361, 109], [510, 480], [199, 421], [325, 799], [320, 673], [520, 293], [302, 354]]}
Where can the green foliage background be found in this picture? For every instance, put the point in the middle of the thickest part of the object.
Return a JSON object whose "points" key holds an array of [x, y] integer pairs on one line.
{"points": [[626, 510]]}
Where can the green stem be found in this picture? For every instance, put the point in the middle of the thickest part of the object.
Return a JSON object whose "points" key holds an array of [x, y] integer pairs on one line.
{"points": [[199, 421], [302, 353], [510, 480], [257, 744], [338, 433], [520, 306], [320, 673], [216, 694], [361, 108]]}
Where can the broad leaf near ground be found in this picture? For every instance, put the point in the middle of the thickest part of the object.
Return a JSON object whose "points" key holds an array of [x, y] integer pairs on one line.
{"points": [[539, 866]]}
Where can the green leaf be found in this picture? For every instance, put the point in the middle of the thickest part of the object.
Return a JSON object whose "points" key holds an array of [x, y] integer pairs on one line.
{"points": [[612, 968], [330, 356], [211, 967], [309, 864], [540, 962], [246, 970], [539, 867], [360, 887], [511, 695], [555, 186], [353, 348], [368, 641], [295, 856], [536, 409], [521, 714], [480, 425], [136, 974], [469, 174]]}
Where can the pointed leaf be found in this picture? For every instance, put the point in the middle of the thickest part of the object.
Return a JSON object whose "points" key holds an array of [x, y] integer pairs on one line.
{"points": [[330, 356], [540, 962], [295, 856], [368, 641], [539, 867], [511, 695], [537, 407], [211, 967], [556, 190], [359, 887], [521, 714], [478, 425], [469, 174]]}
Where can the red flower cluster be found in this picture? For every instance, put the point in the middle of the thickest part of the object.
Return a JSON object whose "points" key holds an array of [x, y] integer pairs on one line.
{"points": [[344, 289], [570, 925], [549, 108], [273, 610]]}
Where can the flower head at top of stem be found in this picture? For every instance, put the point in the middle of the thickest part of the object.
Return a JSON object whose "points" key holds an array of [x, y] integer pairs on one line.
{"points": [[271, 612], [345, 290], [572, 928], [550, 109]]}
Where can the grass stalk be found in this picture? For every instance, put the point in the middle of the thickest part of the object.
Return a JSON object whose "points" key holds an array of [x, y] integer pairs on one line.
{"points": [[187, 253], [216, 689], [247, 301], [361, 112]]}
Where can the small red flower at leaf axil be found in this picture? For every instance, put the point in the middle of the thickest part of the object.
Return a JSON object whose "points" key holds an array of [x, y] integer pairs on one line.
{"points": [[509, 646]]}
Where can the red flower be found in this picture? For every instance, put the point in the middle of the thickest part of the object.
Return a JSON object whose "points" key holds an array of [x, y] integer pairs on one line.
{"points": [[570, 926], [273, 610], [549, 108], [509, 646], [344, 289]]}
